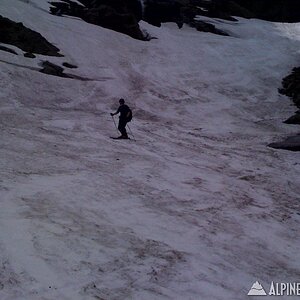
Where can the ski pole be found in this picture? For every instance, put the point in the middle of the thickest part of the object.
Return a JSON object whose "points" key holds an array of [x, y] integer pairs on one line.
{"points": [[131, 133], [115, 123]]}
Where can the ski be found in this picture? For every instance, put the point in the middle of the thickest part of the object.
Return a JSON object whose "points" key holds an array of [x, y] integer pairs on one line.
{"points": [[117, 138]]}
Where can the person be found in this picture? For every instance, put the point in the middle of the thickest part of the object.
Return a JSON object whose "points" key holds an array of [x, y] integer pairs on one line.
{"points": [[125, 116]]}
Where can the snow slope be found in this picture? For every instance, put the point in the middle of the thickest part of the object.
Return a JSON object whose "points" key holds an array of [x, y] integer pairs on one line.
{"points": [[197, 208]]}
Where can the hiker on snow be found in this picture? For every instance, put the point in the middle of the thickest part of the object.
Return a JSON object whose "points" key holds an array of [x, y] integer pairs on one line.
{"points": [[125, 116]]}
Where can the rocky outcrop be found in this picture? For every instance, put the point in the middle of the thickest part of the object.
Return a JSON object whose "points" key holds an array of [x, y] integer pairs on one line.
{"points": [[120, 20], [50, 68], [291, 86], [206, 27], [68, 65], [17, 34], [6, 49], [221, 9], [157, 11], [291, 143], [67, 8], [295, 119], [271, 10], [180, 12], [121, 16], [160, 11]]}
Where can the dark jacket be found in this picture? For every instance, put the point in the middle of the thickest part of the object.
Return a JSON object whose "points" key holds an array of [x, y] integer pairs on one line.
{"points": [[123, 110]]}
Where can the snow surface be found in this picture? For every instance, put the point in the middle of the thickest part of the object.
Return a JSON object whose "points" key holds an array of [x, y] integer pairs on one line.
{"points": [[197, 208]]}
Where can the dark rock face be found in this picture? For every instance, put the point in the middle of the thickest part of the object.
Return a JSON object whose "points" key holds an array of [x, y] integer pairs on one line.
{"points": [[123, 15], [205, 27], [120, 20], [67, 8], [6, 49], [118, 15], [271, 10], [160, 11], [221, 9], [291, 143], [179, 11], [24, 38], [291, 86], [295, 119]]}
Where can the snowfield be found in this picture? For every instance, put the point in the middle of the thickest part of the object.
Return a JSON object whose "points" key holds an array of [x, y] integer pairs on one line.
{"points": [[198, 207]]}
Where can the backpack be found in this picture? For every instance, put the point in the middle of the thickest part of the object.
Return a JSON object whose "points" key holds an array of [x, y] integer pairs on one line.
{"points": [[129, 118]]}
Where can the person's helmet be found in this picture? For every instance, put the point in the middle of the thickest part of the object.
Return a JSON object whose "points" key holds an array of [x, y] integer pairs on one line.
{"points": [[121, 101]]}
